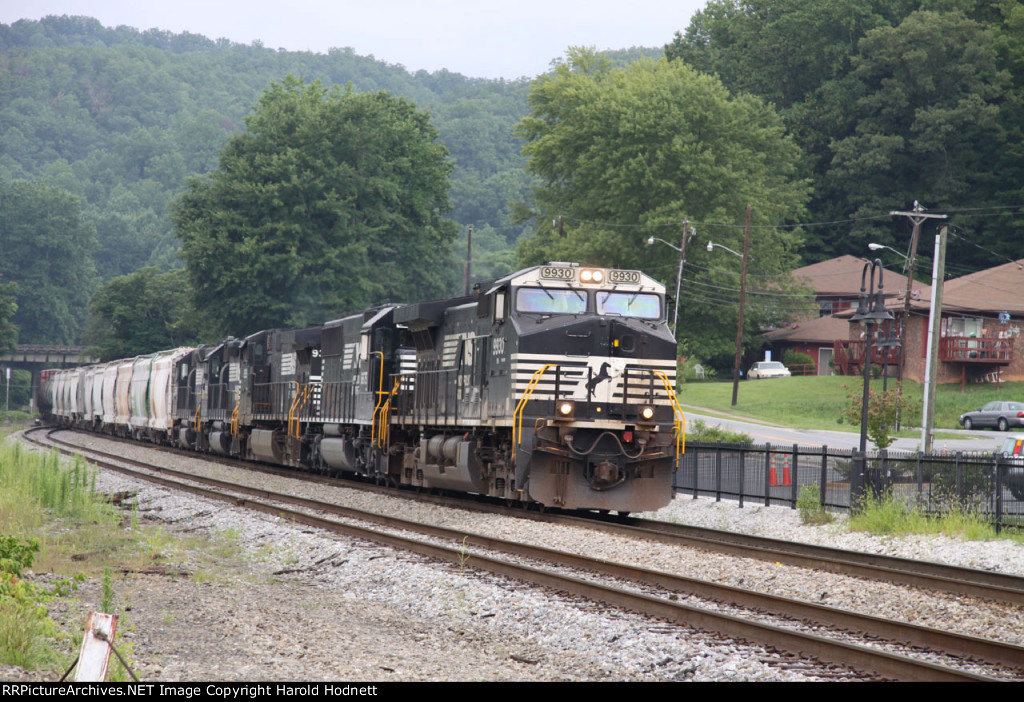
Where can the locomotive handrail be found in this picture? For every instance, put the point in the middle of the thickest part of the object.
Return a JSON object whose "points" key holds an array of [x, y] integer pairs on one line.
{"points": [[298, 402], [384, 410], [234, 414], [380, 393], [291, 406], [679, 423], [517, 415], [199, 408]]}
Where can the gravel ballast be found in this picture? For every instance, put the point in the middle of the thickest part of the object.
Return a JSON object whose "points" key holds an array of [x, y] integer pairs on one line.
{"points": [[297, 604]]}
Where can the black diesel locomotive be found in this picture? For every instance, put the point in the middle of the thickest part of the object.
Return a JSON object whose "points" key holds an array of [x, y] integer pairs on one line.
{"points": [[553, 385]]}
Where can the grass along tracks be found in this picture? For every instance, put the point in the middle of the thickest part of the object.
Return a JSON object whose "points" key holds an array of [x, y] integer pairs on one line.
{"points": [[462, 551], [816, 402]]}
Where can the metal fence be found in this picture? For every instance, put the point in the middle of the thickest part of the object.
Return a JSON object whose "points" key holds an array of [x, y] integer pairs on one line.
{"points": [[775, 475]]}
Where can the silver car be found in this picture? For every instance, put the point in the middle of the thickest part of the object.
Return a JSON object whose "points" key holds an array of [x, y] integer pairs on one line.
{"points": [[997, 415]]}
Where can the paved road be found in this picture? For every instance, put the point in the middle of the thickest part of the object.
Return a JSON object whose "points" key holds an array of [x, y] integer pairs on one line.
{"points": [[970, 441]]}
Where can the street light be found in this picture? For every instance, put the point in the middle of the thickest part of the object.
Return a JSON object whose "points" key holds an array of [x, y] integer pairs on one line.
{"points": [[743, 290], [682, 260], [879, 247], [712, 246]]}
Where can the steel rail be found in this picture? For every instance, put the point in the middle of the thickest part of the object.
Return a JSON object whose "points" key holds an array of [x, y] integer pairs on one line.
{"points": [[957, 580], [930, 639]]}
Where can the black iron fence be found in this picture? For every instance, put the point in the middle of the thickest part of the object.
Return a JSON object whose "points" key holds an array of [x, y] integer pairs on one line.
{"points": [[988, 485]]}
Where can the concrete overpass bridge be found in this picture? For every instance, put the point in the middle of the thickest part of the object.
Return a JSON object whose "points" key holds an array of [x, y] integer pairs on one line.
{"points": [[38, 357]]}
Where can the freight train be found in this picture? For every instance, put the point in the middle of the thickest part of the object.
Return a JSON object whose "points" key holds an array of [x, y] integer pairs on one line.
{"points": [[552, 385]]}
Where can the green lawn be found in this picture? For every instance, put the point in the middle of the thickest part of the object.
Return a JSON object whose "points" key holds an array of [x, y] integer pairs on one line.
{"points": [[811, 402]]}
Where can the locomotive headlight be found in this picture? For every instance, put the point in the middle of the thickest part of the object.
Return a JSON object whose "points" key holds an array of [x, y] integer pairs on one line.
{"points": [[646, 412], [565, 409], [591, 276]]}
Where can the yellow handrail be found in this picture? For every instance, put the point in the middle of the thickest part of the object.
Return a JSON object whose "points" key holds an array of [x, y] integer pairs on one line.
{"points": [[199, 407], [380, 393], [234, 414], [680, 419], [517, 415], [292, 406], [384, 409]]}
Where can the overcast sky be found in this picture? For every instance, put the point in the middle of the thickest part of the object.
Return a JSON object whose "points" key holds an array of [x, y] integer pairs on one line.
{"points": [[477, 39]]}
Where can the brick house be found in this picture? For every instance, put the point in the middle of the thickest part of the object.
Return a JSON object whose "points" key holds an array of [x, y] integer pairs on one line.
{"points": [[836, 285], [982, 316]]}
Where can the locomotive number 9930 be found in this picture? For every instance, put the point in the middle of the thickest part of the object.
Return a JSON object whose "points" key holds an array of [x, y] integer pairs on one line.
{"points": [[557, 273], [623, 276]]}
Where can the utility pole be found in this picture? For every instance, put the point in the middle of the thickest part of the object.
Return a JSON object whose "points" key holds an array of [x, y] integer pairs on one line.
{"points": [[469, 260], [917, 216], [739, 326], [679, 276], [934, 321]]}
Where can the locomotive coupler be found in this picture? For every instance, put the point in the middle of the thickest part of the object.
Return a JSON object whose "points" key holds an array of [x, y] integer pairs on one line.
{"points": [[606, 473]]}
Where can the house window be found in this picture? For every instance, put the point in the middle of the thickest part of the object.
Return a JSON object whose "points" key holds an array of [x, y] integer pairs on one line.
{"points": [[962, 326], [824, 308]]}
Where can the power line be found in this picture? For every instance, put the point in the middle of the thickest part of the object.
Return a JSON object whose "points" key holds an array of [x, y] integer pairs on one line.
{"points": [[992, 211]]}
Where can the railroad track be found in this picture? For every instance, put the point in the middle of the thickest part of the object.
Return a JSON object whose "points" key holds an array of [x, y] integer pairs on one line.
{"points": [[940, 577], [652, 593]]}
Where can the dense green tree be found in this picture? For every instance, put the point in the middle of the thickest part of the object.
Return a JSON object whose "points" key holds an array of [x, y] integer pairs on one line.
{"points": [[624, 154], [781, 50], [8, 306], [880, 96], [47, 248], [121, 118], [924, 104], [330, 200], [141, 313]]}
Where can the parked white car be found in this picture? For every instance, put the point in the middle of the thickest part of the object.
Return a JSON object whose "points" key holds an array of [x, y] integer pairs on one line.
{"points": [[768, 369]]}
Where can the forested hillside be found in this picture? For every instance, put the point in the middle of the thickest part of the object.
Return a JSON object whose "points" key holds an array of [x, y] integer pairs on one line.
{"points": [[823, 116], [120, 119]]}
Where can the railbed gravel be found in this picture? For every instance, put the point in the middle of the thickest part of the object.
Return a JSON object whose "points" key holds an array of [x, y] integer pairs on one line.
{"points": [[297, 604]]}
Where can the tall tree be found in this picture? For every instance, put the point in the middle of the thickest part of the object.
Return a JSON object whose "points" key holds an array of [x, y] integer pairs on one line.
{"points": [[8, 306], [140, 313], [880, 96], [330, 200], [924, 103], [47, 250], [624, 154]]}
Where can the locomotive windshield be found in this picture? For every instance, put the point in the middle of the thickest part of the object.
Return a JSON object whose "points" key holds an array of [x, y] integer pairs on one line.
{"points": [[551, 301], [625, 304]]}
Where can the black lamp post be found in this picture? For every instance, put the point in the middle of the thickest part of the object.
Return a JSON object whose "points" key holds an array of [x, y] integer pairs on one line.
{"points": [[870, 311]]}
